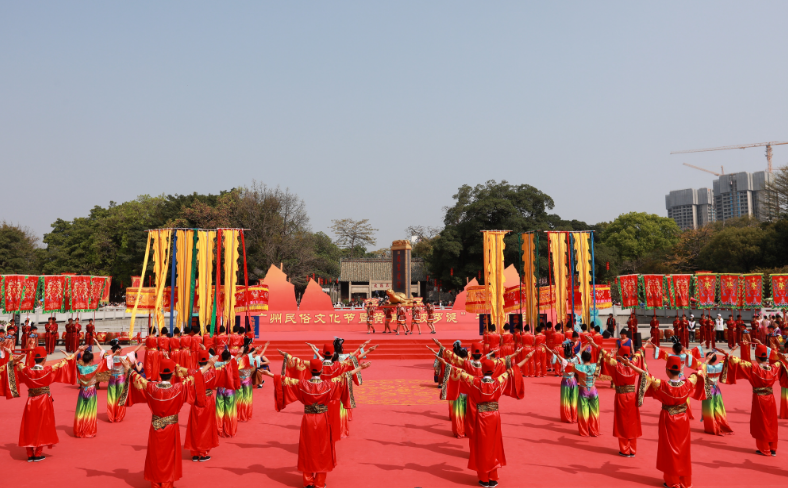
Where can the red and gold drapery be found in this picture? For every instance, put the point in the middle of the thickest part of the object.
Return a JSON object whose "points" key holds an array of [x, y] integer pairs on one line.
{"points": [[753, 290], [730, 290], [493, 274], [54, 294], [530, 301], [513, 296], [546, 299], [628, 284], [258, 298], [20, 293], [79, 289], [654, 291], [706, 290], [603, 299], [780, 290], [477, 299], [97, 284], [680, 291]]}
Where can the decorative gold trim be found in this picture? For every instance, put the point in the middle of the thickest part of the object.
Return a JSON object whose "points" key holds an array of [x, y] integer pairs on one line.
{"points": [[354, 360], [675, 409], [350, 390], [34, 392], [445, 382], [124, 393], [159, 423], [645, 380], [315, 408], [625, 389], [487, 407], [763, 391], [724, 373], [12, 386]]}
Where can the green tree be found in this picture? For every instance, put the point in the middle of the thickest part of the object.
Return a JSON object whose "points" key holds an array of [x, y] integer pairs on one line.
{"points": [[735, 250], [19, 252], [352, 234], [491, 206], [635, 235]]}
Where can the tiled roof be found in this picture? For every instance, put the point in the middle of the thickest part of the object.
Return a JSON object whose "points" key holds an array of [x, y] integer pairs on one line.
{"points": [[372, 269]]}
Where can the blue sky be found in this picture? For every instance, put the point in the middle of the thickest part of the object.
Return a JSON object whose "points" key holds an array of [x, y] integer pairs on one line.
{"points": [[382, 110]]}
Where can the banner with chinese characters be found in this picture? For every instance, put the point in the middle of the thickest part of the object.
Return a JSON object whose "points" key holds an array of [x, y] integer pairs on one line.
{"points": [[19, 293], [780, 290], [706, 290], [107, 285], [628, 284], [730, 290], [97, 284], [546, 298], [513, 297], [54, 294], [680, 290], [477, 299], [258, 298], [753, 290], [79, 294], [603, 299], [148, 298], [653, 288]]}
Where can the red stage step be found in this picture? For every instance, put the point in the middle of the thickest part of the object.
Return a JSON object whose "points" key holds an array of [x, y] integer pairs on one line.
{"points": [[388, 348]]}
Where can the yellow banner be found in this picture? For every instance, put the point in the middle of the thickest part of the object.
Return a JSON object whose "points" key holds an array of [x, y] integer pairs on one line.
{"points": [[493, 274], [477, 299], [583, 259], [558, 255], [531, 305], [161, 263], [184, 275], [230, 248], [204, 300]]}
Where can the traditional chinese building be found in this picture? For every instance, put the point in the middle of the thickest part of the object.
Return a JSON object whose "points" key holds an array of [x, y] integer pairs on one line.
{"points": [[371, 277]]}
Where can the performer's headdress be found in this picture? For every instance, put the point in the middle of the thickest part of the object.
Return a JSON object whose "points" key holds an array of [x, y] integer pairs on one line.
{"points": [[673, 364], [203, 356], [761, 352], [39, 353], [488, 367], [167, 366], [316, 366], [624, 351]]}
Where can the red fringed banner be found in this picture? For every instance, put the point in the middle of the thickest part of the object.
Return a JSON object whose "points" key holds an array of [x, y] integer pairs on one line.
{"points": [[477, 299], [135, 281], [628, 284], [753, 290], [603, 299], [19, 293], [54, 293], [107, 284], [80, 294], [652, 285], [730, 290], [681, 291], [97, 284], [706, 290], [512, 297], [258, 298], [780, 290]]}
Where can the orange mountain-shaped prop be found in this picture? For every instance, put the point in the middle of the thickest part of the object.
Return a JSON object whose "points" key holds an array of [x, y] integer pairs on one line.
{"points": [[459, 300], [315, 298], [281, 293]]}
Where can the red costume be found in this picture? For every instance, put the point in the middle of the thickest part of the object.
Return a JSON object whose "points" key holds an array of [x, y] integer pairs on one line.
{"points": [[676, 328], [186, 352], [175, 349], [77, 330], [38, 419], [540, 359], [492, 341], [626, 411], [90, 333], [316, 447], [207, 341], [25, 334], [486, 444], [529, 342], [654, 324], [674, 457], [684, 338], [507, 345], [632, 323], [236, 343], [762, 376], [50, 336], [711, 336], [165, 399], [152, 358], [731, 332], [220, 341], [201, 432]]}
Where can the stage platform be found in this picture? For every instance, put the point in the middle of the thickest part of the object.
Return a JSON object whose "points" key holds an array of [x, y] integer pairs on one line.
{"points": [[399, 437]]}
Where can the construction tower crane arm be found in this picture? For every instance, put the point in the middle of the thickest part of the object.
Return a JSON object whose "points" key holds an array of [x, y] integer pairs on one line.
{"points": [[702, 169], [723, 148], [742, 146]]}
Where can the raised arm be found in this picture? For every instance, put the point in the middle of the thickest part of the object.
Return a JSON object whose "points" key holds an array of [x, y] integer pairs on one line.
{"points": [[355, 353], [527, 357], [363, 354]]}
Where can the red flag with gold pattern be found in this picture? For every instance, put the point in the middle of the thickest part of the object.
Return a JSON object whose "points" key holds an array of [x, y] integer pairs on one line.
{"points": [[628, 284]]}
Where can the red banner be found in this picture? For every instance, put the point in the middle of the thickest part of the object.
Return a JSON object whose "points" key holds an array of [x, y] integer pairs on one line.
{"points": [[780, 290], [629, 290], [80, 293], [20, 293], [512, 298], [753, 290], [135, 281], [603, 299], [54, 293], [97, 284], [148, 298], [652, 285], [258, 298], [706, 290], [681, 291], [477, 299], [105, 295], [730, 290]]}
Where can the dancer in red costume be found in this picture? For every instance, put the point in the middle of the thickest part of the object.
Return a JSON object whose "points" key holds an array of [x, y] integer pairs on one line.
{"points": [[626, 412], [236, 341], [674, 456], [78, 330], [220, 340], [654, 324], [528, 345], [165, 399], [90, 333], [201, 432], [761, 375], [486, 441], [540, 358], [186, 349], [152, 356], [69, 339], [38, 419], [316, 446], [50, 335]]}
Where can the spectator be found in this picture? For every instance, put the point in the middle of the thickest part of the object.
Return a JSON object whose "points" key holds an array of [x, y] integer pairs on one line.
{"points": [[691, 328], [719, 328]]}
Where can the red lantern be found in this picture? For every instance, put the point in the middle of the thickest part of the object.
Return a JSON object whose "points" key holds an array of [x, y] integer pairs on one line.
{"points": [[451, 272], [607, 265]]}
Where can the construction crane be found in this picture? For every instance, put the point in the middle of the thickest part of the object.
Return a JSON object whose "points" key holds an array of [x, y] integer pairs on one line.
{"points": [[742, 146], [706, 170]]}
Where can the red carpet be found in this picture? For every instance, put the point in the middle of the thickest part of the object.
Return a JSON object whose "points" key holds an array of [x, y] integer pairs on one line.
{"points": [[400, 437]]}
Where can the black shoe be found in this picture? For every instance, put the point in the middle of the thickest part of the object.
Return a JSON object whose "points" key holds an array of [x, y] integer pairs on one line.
{"points": [[622, 454], [195, 459], [492, 483], [30, 459], [774, 453], [482, 483], [205, 458], [39, 458], [759, 452]]}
